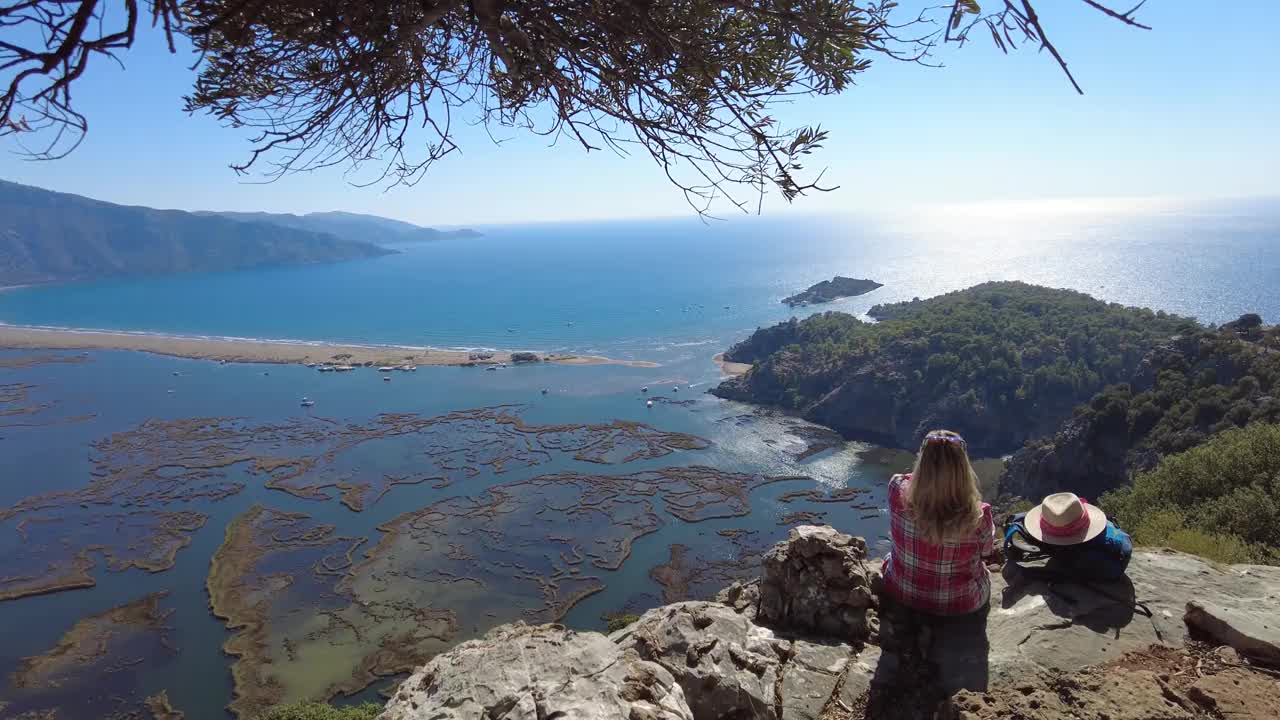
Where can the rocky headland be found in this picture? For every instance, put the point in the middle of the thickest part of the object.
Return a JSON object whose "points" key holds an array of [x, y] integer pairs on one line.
{"points": [[836, 288], [1079, 394], [1000, 363], [812, 639]]}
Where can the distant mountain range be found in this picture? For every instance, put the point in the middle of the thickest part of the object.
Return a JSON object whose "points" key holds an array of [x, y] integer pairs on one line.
{"points": [[48, 236], [352, 226]]}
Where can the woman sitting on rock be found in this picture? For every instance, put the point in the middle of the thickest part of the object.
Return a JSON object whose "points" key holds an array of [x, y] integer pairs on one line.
{"points": [[941, 532]]}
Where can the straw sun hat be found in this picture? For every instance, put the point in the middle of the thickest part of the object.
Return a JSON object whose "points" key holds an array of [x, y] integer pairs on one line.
{"points": [[1064, 519]]}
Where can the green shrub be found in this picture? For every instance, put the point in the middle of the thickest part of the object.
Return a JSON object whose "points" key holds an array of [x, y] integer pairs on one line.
{"points": [[615, 623], [322, 711], [1168, 529], [1220, 499]]}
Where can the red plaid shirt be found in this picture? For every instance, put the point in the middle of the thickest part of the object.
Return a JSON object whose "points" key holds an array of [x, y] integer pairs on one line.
{"points": [[946, 579]]}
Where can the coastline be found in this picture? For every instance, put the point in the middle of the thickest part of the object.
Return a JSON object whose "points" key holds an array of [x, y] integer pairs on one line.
{"points": [[279, 352], [730, 368]]}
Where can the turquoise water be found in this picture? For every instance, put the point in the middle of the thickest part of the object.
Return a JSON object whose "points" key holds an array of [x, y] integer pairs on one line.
{"points": [[656, 289], [675, 292]]}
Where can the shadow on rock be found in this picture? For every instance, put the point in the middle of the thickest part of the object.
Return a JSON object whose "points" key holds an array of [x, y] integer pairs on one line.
{"points": [[1103, 607]]}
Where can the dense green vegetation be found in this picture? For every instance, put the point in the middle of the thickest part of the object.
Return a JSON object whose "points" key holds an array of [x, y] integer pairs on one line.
{"points": [[1220, 499], [1203, 384], [1185, 392], [47, 236], [1000, 362], [614, 623], [322, 711]]}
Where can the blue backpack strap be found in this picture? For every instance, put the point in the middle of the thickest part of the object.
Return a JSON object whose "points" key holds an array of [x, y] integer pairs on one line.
{"points": [[1019, 546]]}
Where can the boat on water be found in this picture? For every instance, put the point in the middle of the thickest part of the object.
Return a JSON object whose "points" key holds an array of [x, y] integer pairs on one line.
{"points": [[311, 365], [343, 368], [325, 368], [491, 367], [408, 368], [648, 403], [307, 402], [386, 378]]}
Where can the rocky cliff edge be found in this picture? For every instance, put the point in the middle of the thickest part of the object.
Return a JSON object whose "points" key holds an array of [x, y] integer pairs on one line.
{"points": [[810, 640]]}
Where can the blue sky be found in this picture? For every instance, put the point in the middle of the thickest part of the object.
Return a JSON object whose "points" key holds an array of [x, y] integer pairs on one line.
{"points": [[1188, 110]]}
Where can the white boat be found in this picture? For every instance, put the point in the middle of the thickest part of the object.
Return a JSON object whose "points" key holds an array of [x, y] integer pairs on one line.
{"points": [[648, 403], [675, 388], [311, 364], [492, 367], [325, 368], [307, 402], [386, 368], [644, 389], [408, 368], [343, 368]]}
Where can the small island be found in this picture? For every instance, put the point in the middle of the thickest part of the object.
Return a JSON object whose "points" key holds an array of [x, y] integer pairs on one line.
{"points": [[831, 290]]}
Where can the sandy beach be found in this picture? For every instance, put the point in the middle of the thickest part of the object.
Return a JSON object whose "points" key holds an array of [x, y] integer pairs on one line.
{"points": [[730, 368], [268, 351]]}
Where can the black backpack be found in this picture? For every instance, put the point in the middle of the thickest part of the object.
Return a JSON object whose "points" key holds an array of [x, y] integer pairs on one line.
{"points": [[1105, 557]]}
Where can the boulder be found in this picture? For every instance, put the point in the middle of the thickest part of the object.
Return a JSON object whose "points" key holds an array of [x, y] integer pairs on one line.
{"points": [[730, 667], [722, 658], [523, 672], [743, 597], [818, 582], [1251, 630]]}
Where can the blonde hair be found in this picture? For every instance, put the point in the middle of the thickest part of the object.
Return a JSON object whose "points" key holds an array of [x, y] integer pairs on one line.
{"points": [[943, 494]]}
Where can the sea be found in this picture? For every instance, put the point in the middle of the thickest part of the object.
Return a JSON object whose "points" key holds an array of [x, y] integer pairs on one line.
{"points": [[674, 292]]}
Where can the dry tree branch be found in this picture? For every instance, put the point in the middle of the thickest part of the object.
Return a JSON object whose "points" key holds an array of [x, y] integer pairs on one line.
{"points": [[45, 48], [374, 87]]}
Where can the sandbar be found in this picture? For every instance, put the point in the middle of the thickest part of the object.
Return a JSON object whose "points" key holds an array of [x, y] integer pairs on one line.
{"points": [[271, 351], [726, 366]]}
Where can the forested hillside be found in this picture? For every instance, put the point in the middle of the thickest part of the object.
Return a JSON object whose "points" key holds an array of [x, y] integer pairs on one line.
{"points": [[1001, 362], [353, 226], [1184, 392], [49, 236]]}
